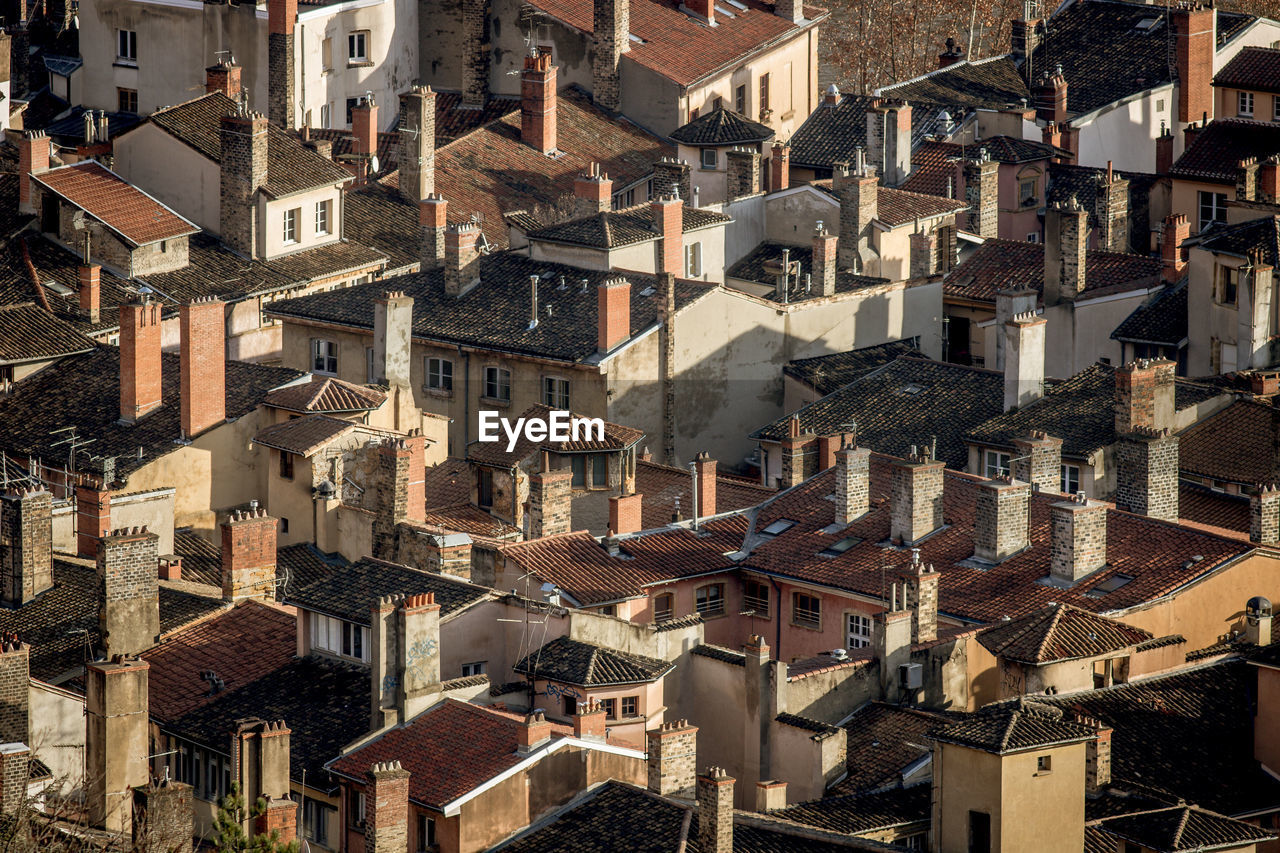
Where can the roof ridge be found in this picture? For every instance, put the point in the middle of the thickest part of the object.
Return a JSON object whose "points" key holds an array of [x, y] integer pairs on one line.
{"points": [[1054, 620], [1182, 824]]}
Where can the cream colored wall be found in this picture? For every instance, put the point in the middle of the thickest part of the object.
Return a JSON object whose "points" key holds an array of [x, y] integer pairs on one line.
{"points": [[57, 732], [150, 158], [154, 509], [1079, 333], [791, 217], [578, 256], [1266, 727], [637, 257], [272, 213], [964, 780], [1042, 811], [1186, 199]]}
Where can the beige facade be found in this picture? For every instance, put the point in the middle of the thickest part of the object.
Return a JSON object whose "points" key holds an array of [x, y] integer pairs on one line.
{"points": [[642, 257], [148, 158]]}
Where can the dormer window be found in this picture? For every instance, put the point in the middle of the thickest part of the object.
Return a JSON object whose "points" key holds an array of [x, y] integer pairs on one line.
{"points": [[710, 158], [1244, 104], [290, 234]]}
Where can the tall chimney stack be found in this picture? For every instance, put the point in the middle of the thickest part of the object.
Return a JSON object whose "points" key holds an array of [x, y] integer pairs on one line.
{"points": [[202, 365], [538, 103], [417, 160], [1144, 395], [858, 192], [1177, 230], [1066, 234], [613, 313], [668, 221], [419, 659], [260, 766], [612, 28], [1147, 473], [139, 360], [706, 471], [392, 336], [1264, 515], [1194, 32], [461, 258], [223, 76], [1038, 461], [779, 167], [90, 281], [475, 58], [825, 262], [26, 545], [1000, 519], [129, 578], [386, 827], [673, 750], [853, 483], [1079, 539], [916, 498], [249, 555], [116, 740], [33, 158], [282, 17], [593, 192], [1023, 360], [243, 145], [715, 811], [433, 219]]}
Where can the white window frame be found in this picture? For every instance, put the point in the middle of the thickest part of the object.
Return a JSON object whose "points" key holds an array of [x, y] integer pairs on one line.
{"points": [[555, 392], [289, 226], [1275, 107], [709, 158], [358, 46], [1070, 479], [857, 630], [326, 633], [427, 838], [693, 260], [324, 356], [439, 374], [995, 463], [323, 209], [326, 115], [1215, 204], [127, 46], [1244, 104], [498, 381]]}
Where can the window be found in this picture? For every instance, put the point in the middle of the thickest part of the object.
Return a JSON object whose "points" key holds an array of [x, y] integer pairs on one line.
{"points": [[997, 464], [358, 46], [322, 217], [718, 103], [355, 808], [693, 260], [979, 832], [578, 465], [1244, 103], [756, 597], [1027, 191], [1033, 237], [326, 115], [599, 470], [439, 374], [127, 45], [286, 465], [1070, 479], [663, 607], [127, 100], [710, 158], [497, 384], [1044, 763], [469, 669], [337, 637], [693, 114], [284, 524], [484, 488], [326, 60], [355, 641], [352, 103], [426, 833], [630, 706], [1159, 105], [1275, 108], [609, 610], [555, 392], [857, 631], [315, 821], [290, 232], [709, 600], [1226, 285], [610, 707], [806, 611], [835, 549], [570, 705], [764, 95], [1213, 208], [370, 370], [324, 356], [740, 100]]}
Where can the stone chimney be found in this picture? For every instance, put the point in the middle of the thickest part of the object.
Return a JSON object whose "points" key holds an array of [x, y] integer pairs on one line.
{"points": [[223, 76], [419, 664], [771, 796], [282, 82], [433, 219], [1000, 519], [1038, 461], [384, 661], [1050, 97], [260, 765], [982, 193], [668, 221], [549, 503], [249, 556], [859, 205], [589, 723], [825, 246], [1147, 473], [1097, 759], [93, 517], [116, 740], [889, 140], [15, 690], [613, 314], [920, 598], [398, 463], [625, 513], [15, 775], [612, 28], [743, 172], [797, 450], [853, 483], [1079, 539], [1008, 304], [243, 145], [417, 160], [891, 641], [916, 498], [706, 472], [1113, 213], [1144, 395], [163, 817], [534, 732], [33, 158], [1066, 234], [1264, 515], [475, 52], [1024, 336], [790, 10], [538, 103], [671, 178], [26, 545], [139, 360], [90, 280], [924, 254], [392, 336], [1194, 38], [461, 258], [673, 749], [129, 579], [386, 826], [779, 167], [952, 54], [202, 365], [1164, 151], [715, 811], [1025, 36], [1177, 230], [592, 192]]}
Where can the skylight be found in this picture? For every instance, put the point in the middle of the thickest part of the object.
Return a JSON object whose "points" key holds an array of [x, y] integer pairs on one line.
{"points": [[780, 526], [910, 389], [1146, 25], [1111, 584], [838, 548]]}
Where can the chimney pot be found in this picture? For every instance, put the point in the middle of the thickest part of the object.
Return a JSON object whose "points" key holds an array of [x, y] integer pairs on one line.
{"points": [[538, 103]]}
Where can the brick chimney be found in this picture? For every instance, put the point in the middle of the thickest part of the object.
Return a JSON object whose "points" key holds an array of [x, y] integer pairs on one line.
{"points": [[671, 178], [549, 496], [1264, 515], [1194, 43], [243, 146], [202, 365], [249, 555], [1147, 473], [223, 76], [924, 254], [90, 280], [1269, 180], [779, 167], [93, 517], [163, 817], [889, 140], [15, 767], [116, 740], [1177, 230], [668, 221], [592, 192], [129, 579], [15, 689], [952, 54], [260, 765], [715, 811], [831, 97], [859, 205], [589, 722], [139, 360], [1050, 97], [612, 29], [386, 827], [1024, 336], [417, 132], [982, 193], [916, 498], [364, 129], [282, 98], [742, 172], [475, 52], [824, 262], [1025, 37], [33, 158], [1000, 519], [433, 219], [613, 313], [534, 732], [771, 796], [625, 513], [790, 10], [392, 334], [1113, 213], [920, 598], [705, 467], [1078, 530], [827, 447], [1144, 395], [461, 258], [1164, 151], [390, 488], [1066, 234], [26, 545], [1038, 461], [538, 103], [1097, 759], [853, 483], [673, 754]]}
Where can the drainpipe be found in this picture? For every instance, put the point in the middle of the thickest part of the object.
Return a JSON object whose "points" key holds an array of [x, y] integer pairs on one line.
{"points": [[466, 398]]}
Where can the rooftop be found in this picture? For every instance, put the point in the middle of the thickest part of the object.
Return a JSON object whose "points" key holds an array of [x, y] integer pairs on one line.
{"points": [[1161, 320], [1184, 829], [1084, 184], [1217, 150], [1260, 236], [570, 661], [1255, 68], [305, 435], [1059, 632], [758, 266], [616, 438], [899, 207], [1004, 264], [882, 742], [325, 394], [826, 373], [993, 83], [1015, 729], [934, 163], [1234, 444], [664, 485], [122, 207], [617, 228], [863, 812], [367, 580], [722, 127], [28, 332]]}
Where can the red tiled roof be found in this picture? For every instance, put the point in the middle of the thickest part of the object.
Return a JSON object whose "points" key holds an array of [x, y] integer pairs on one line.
{"points": [[1001, 264], [1223, 514], [448, 483], [122, 207], [1234, 444], [240, 646], [468, 519], [898, 207], [932, 162], [660, 485], [325, 394], [1256, 68], [1059, 632]]}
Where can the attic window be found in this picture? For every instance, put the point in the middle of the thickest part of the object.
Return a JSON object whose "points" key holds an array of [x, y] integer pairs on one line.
{"points": [[58, 287], [838, 548], [742, 7], [1146, 25], [782, 525], [1111, 584], [911, 389]]}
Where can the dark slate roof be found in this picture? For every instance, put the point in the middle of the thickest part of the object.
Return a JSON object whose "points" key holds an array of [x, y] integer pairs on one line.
{"points": [[1083, 182], [1184, 829], [303, 436], [754, 267], [69, 130], [1002, 264], [1078, 410], [826, 373], [1218, 148], [882, 741], [1160, 320], [201, 559], [30, 333], [832, 133], [665, 485], [84, 391], [1260, 236], [1020, 727], [933, 162], [1235, 444], [296, 565], [325, 394], [1011, 149], [720, 653], [993, 83], [586, 665], [849, 814], [351, 592], [722, 127], [1059, 632], [902, 403], [616, 438], [1256, 68], [626, 227], [502, 298], [61, 625]]}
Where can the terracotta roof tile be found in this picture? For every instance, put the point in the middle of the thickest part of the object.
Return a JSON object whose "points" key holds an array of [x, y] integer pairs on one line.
{"points": [[1001, 731], [448, 483], [1226, 515], [882, 741], [325, 394], [1235, 444], [999, 264], [572, 661], [722, 127], [757, 266], [899, 207], [865, 812], [1215, 154], [303, 436], [663, 485], [122, 207], [1261, 236], [1059, 632], [1256, 68], [471, 520], [30, 333]]}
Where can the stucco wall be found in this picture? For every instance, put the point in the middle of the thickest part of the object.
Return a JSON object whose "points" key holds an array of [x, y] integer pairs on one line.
{"points": [[305, 203], [153, 509], [1125, 134], [58, 733]]}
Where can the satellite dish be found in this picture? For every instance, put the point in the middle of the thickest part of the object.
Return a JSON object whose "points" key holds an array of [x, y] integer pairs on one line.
{"points": [[373, 163]]}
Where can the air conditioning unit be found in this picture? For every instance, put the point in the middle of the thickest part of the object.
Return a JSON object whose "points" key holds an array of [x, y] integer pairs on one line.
{"points": [[911, 676]]}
